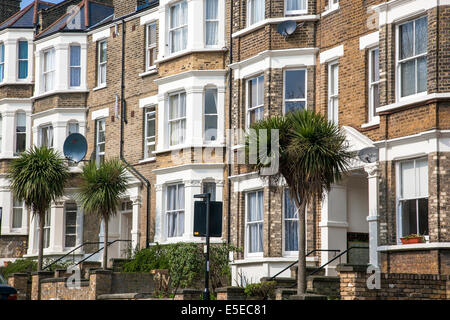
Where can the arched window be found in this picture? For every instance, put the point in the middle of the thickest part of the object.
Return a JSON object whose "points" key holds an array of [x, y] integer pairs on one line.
{"points": [[21, 131], [73, 127]]}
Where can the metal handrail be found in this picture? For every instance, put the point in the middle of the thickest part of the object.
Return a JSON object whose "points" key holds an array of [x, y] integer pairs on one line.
{"points": [[294, 263], [82, 245], [92, 254], [70, 252], [338, 256]]}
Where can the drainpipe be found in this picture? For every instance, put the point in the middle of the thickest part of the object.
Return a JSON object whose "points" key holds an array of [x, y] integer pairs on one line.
{"points": [[230, 103], [140, 176]]}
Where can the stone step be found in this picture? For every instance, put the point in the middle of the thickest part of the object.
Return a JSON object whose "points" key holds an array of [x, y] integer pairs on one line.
{"points": [[125, 296]]}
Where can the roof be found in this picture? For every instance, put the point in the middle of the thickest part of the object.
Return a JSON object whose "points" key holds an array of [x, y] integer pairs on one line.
{"points": [[86, 14], [27, 17]]}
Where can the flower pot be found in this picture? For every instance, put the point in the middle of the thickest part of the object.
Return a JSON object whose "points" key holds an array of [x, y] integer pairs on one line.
{"points": [[412, 240]]}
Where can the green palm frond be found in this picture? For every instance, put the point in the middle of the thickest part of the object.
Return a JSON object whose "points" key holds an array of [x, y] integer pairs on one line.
{"points": [[102, 187], [38, 177]]}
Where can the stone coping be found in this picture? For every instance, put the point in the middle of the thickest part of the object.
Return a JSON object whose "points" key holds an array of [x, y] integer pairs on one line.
{"points": [[83, 283], [352, 267], [418, 246], [124, 296], [230, 290], [43, 273], [18, 275]]}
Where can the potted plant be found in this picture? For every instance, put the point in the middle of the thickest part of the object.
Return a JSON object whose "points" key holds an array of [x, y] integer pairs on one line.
{"points": [[413, 238]]}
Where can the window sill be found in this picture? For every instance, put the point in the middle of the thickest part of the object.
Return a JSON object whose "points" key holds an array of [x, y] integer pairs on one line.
{"points": [[372, 123], [412, 100], [187, 146], [147, 160], [181, 53], [330, 11], [418, 246], [264, 22], [149, 72], [100, 87], [53, 92]]}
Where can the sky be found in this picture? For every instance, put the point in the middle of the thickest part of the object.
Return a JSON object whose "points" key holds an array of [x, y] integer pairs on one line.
{"points": [[27, 2]]}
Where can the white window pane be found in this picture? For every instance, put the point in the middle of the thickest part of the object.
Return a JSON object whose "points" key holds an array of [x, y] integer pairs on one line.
{"points": [[295, 5], [212, 28], [408, 80], [211, 101], [422, 178], [408, 179], [295, 84], [422, 74], [421, 35], [406, 40]]}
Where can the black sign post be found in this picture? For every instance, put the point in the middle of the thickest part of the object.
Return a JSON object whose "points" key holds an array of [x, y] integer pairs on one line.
{"points": [[207, 198]]}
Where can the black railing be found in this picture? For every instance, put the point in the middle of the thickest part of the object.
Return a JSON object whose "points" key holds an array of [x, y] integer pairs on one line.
{"points": [[79, 247], [336, 257], [294, 263]]}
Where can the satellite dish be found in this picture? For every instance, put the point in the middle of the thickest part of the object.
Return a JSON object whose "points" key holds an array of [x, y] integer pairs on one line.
{"points": [[75, 147], [287, 28], [368, 155]]}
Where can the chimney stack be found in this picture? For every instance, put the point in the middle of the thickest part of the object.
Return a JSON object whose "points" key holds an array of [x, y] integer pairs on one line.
{"points": [[8, 8]]}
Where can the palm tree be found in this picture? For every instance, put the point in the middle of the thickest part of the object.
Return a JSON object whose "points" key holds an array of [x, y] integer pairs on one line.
{"points": [[38, 177], [312, 154], [100, 192]]}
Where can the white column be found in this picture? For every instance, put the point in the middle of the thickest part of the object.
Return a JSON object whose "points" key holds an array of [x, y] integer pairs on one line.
{"points": [[11, 65], [334, 226], [163, 138], [219, 190], [32, 235], [84, 64], [159, 221], [191, 188], [221, 114], [62, 66], [57, 227], [196, 33], [135, 233], [9, 136], [372, 172], [194, 115], [80, 221], [29, 130], [163, 33], [37, 73], [59, 135], [5, 203]]}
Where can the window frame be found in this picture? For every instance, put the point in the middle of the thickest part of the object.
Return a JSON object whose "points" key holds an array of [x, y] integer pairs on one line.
{"points": [[16, 133], [19, 60], [414, 57], [150, 47], [205, 115], [401, 199], [72, 122], [49, 128], [170, 121], [216, 20], [46, 73], [247, 223], [72, 67], [102, 65], [295, 12], [213, 184], [332, 98], [296, 99], [176, 211], [248, 108], [250, 12], [288, 252], [14, 207], [149, 111], [47, 228], [99, 154], [373, 117], [66, 234], [179, 27], [2, 61]]}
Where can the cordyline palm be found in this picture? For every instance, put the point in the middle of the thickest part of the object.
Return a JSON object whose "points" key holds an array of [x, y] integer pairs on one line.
{"points": [[100, 193], [38, 177], [312, 154]]}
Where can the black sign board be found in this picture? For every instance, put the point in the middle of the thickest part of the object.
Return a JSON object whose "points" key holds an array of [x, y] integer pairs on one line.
{"points": [[215, 226]]}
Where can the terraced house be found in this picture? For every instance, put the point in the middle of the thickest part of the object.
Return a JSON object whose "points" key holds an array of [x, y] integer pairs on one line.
{"points": [[158, 83]]}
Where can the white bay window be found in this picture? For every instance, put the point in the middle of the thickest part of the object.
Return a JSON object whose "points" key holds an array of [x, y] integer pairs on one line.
{"points": [[255, 11], [177, 118], [254, 222], [175, 210], [49, 69], [178, 26]]}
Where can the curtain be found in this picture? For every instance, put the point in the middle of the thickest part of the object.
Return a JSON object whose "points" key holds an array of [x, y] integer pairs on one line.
{"points": [[23, 59], [178, 21], [295, 5], [2, 62], [75, 66], [291, 223], [255, 216], [212, 23], [257, 10]]}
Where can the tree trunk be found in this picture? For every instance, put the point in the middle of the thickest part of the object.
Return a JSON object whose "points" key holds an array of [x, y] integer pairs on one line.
{"points": [[301, 274], [105, 245], [41, 216]]}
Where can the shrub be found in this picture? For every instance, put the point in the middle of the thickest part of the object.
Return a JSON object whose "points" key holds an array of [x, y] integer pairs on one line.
{"points": [[185, 262], [263, 291], [19, 266]]}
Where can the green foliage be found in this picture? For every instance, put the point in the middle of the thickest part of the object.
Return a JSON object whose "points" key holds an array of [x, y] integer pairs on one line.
{"points": [[19, 266], [264, 290], [38, 177], [102, 187], [185, 262], [146, 260]]}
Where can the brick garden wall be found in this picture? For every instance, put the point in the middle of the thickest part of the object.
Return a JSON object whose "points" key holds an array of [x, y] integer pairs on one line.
{"points": [[353, 284]]}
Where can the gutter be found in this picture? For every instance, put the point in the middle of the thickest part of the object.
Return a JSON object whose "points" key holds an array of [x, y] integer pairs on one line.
{"points": [[139, 175], [230, 104]]}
